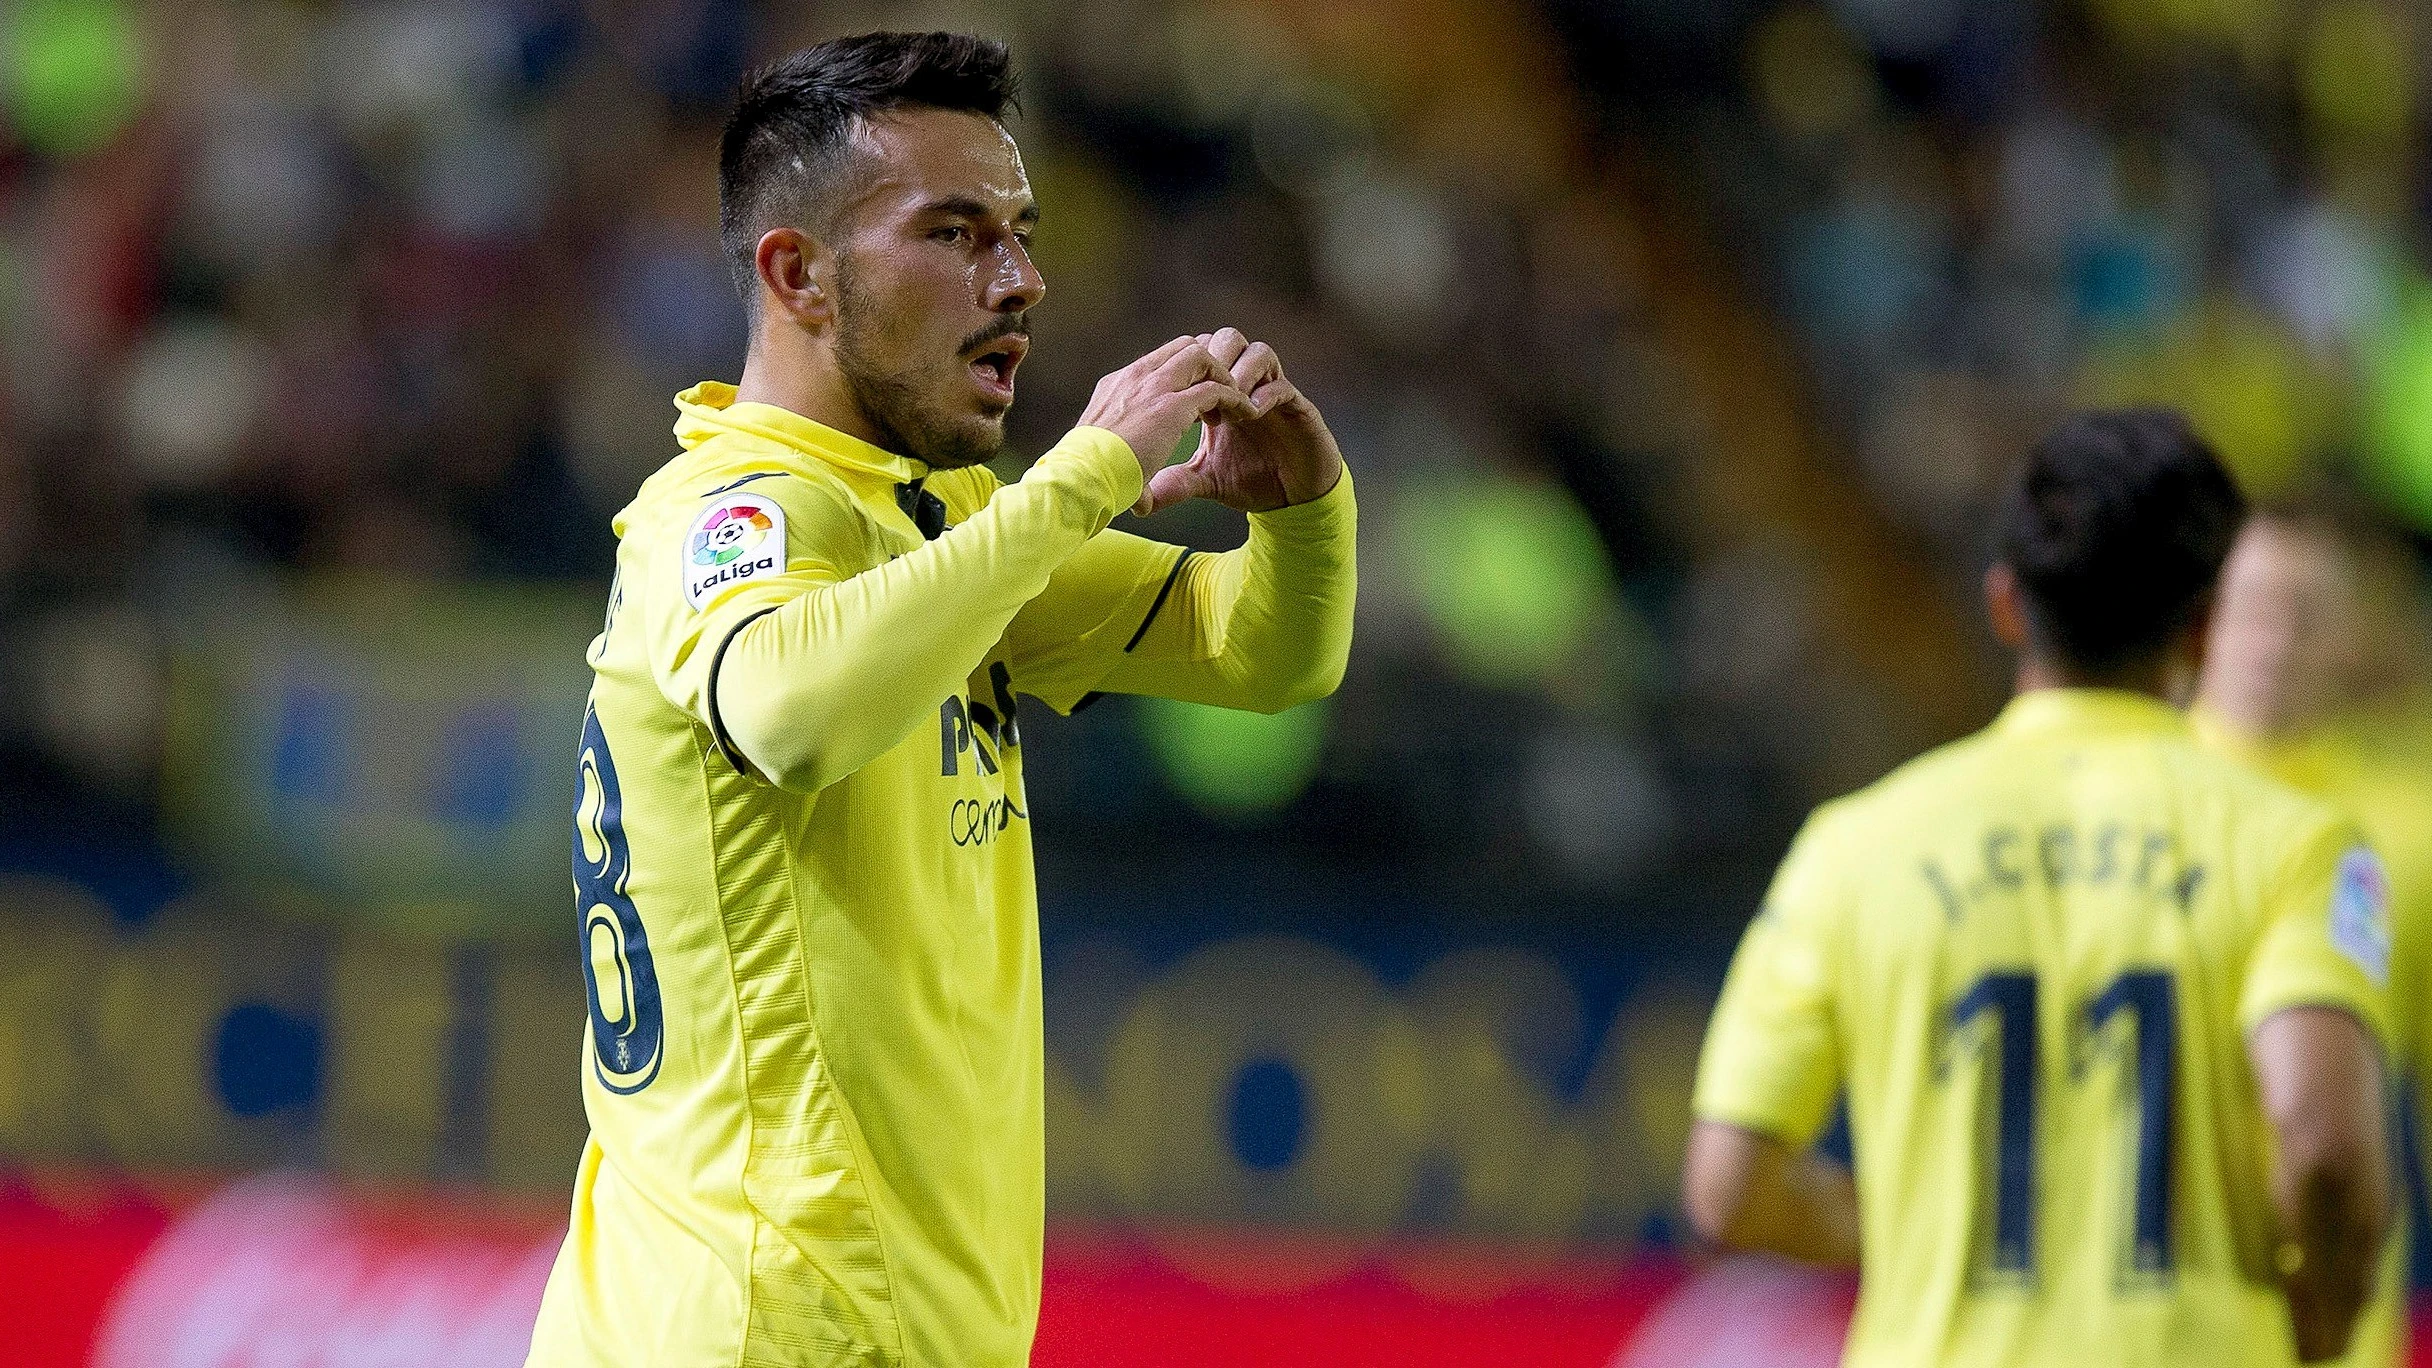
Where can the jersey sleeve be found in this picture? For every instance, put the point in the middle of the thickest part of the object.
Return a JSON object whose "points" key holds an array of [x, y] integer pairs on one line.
{"points": [[1097, 606], [1772, 1058], [1264, 626], [811, 534], [806, 689], [2325, 939]]}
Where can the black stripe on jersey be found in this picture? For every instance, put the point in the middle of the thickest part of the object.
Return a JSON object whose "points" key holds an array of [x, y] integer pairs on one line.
{"points": [[717, 725], [1000, 679], [755, 475], [1162, 590]]}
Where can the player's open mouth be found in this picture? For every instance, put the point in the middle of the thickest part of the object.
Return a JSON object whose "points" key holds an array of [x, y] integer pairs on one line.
{"points": [[994, 367]]}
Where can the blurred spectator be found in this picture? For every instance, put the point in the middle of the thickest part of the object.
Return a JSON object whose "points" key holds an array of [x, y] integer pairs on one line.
{"points": [[1974, 215], [401, 289]]}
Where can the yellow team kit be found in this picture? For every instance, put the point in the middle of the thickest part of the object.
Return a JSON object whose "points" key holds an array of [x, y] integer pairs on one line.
{"points": [[2031, 959], [814, 1065], [2373, 769]]}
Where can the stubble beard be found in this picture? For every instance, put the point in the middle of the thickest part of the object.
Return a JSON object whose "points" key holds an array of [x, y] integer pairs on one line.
{"points": [[905, 423]]}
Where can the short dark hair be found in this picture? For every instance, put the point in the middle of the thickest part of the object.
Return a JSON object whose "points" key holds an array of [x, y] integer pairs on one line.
{"points": [[785, 154], [2117, 527]]}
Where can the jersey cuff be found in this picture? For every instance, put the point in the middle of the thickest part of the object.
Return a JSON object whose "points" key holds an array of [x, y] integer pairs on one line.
{"points": [[1769, 1128], [1319, 516], [1790, 1112], [2371, 1016], [1108, 457], [1158, 605], [1758, 1121]]}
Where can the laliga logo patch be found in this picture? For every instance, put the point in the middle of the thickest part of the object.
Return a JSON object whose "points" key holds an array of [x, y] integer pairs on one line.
{"points": [[735, 540], [2360, 913]]}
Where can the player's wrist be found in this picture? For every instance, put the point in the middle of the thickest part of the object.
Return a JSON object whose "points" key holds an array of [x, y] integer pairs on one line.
{"points": [[1106, 459], [1318, 509], [1320, 484]]}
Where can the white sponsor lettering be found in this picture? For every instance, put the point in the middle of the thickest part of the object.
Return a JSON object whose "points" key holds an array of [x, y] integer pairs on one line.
{"points": [[282, 1270]]}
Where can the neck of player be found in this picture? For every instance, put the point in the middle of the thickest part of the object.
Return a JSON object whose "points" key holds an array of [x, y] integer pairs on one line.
{"points": [[2170, 676], [795, 370]]}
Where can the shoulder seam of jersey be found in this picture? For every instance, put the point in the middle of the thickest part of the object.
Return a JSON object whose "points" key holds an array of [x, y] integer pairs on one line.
{"points": [[820, 482], [812, 475], [1159, 605], [717, 723]]}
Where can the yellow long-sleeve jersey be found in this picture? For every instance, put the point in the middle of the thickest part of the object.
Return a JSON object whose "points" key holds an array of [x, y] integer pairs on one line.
{"points": [[814, 1065]]}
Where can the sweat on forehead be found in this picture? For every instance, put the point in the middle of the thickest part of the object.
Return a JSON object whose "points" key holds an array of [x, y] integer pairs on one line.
{"points": [[911, 160]]}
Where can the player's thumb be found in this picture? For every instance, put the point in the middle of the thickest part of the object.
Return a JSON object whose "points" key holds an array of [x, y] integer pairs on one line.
{"points": [[1176, 484]]}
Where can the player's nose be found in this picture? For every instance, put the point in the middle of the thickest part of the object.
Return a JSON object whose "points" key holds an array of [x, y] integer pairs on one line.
{"points": [[1016, 283]]}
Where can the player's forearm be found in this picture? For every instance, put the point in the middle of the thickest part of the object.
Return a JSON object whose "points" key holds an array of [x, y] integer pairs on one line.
{"points": [[2318, 1071], [1751, 1192], [1808, 1211], [2332, 1206], [826, 683], [1263, 627]]}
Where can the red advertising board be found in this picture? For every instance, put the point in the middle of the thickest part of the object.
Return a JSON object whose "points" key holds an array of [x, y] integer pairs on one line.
{"points": [[291, 1270]]}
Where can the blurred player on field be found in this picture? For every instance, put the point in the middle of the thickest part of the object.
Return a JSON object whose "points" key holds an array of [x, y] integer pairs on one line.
{"points": [[2316, 673], [814, 1070], [2107, 1006]]}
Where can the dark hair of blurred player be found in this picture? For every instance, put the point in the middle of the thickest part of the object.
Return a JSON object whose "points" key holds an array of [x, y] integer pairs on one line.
{"points": [[2110, 543]]}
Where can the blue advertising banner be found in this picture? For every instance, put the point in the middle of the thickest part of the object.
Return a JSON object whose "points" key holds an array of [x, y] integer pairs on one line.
{"points": [[1263, 1078], [405, 752]]}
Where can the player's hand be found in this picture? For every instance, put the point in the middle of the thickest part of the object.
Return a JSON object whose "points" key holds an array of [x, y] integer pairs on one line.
{"points": [[1279, 454], [1150, 402]]}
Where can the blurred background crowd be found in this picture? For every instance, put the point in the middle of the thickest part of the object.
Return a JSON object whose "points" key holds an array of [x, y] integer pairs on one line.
{"points": [[1679, 348]]}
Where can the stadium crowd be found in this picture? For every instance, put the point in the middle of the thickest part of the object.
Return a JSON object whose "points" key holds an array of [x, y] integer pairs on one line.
{"points": [[1973, 217], [400, 291]]}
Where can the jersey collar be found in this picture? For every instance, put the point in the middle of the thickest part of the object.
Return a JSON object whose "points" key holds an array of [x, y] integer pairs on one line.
{"points": [[2079, 711], [2308, 760], [709, 409]]}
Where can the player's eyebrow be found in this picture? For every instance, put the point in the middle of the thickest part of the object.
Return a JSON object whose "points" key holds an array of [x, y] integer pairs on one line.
{"points": [[963, 206]]}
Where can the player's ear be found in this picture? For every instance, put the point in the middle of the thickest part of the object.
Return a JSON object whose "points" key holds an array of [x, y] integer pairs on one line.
{"points": [[2005, 604], [797, 277]]}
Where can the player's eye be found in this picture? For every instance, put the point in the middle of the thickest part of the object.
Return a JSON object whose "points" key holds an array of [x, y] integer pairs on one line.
{"points": [[952, 232]]}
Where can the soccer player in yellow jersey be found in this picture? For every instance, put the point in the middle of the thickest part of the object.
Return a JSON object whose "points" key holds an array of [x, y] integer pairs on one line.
{"points": [[2106, 1006], [2315, 675], [801, 844]]}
